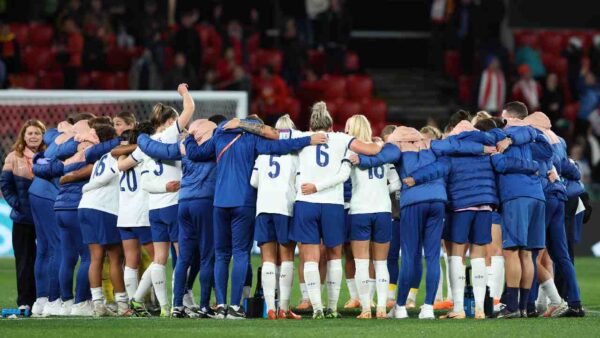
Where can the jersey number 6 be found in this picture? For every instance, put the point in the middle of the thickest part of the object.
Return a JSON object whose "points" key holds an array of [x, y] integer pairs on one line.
{"points": [[322, 156]]}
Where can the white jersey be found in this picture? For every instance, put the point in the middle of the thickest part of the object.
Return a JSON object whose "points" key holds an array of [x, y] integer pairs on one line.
{"points": [[276, 179], [133, 200], [370, 192], [161, 170], [102, 191], [323, 160]]}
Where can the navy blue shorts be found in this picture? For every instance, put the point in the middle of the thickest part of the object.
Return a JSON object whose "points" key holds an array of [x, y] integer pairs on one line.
{"points": [[347, 226], [271, 228], [164, 225], [469, 226], [314, 222], [98, 227], [142, 234], [524, 223], [496, 218], [376, 227]]}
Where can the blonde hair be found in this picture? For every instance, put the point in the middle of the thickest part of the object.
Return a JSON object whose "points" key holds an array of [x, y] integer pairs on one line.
{"points": [[432, 132], [285, 122], [359, 127], [320, 119], [481, 115]]}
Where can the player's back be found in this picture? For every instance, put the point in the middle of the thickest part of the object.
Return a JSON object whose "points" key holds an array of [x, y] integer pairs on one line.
{"points": [[319, 161], [105, 197], [370, 193], [276, 183], [133, 200]]}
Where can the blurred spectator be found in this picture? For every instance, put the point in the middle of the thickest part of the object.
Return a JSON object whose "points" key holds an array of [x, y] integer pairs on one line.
{"points": [[463, 22], [589, 94], [492, 87], [270, 91], [72, 9], [95, 17], [440, 14], [234, 38], [69, 48], [531, 57], [9, 52], [94, 50], [295, 54], [527, 89], [595, 55], [552, 98], [144, 73], [124, 39], [333, 35], [226, 66], [574, 54], [182, 72], [151, 24], [187, 41], [239, 81]]}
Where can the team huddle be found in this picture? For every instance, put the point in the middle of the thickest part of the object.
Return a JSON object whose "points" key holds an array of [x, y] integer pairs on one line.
{"points": [[129, 195]]}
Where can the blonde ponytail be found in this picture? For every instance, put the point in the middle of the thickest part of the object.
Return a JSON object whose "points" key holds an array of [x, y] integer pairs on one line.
{"points": [[285, 122], [320, 119]]}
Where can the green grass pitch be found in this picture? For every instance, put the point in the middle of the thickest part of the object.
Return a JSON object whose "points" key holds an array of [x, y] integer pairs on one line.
{"points": [[588, 270]]}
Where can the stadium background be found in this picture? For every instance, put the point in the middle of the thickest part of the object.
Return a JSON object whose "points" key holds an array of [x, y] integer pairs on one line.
{"points": [[395, 61]]}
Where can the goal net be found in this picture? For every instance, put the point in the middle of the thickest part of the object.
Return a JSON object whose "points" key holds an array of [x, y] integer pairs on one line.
{"points": [[51, 107]]}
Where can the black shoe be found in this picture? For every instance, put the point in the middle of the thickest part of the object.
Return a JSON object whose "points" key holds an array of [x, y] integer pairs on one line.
{"points": [[154, 310], [523, 313], [571, 312], [207, 313], [236, 314], [179, 312], [221, 312], [532, 313], [507, 314]]}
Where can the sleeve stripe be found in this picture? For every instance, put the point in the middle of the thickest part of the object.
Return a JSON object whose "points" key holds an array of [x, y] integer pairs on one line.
{"points": [[144, 172], [346, 160], [350, 142], [133, 157], [113, 170]]}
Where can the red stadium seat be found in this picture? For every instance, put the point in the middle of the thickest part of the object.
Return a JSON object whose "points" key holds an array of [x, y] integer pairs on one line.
{"points": [[292, 107], [570, 112], [452, 63], [316, 60], [555, 64], [332, 107], [37, 58], [113, 81], [21, 32], [375, 110], [263, 57], [585, 36], [552, 42], [51, 80], [465, 86], [118, 59], [346, 109], [253, 43], [352, 62], [377, 127], [85, 81], [359, 87], [41, 35], [333, 87], [23, 80], [526, 37]]}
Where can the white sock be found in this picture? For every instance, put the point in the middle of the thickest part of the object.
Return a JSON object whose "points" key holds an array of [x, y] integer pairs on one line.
{"points": [[361, 276], [497, 283], [130, 277], [457, 282], [382, 277], [97, 294], [144, 285], [268, 283], [303, 291], [312, 278], [371, 289], [550, 290], [159, 280], [121, 297], [479, 281], [286, 278], [277, 274], [542, 296], [351, 283], [439, 295], [447, 276], [334, 282]]}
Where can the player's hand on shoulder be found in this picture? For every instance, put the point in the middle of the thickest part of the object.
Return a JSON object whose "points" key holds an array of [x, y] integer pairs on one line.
{"points": [[489, 150], [173, 186], [354, 159], [232, 124], [318, 138], [409, 181]]}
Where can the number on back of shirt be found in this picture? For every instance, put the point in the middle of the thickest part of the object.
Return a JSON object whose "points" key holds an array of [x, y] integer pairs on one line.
{"points": [[159, 168], [322, 155], [130, 179], [101, 166], [274, 165], [377, 172]]}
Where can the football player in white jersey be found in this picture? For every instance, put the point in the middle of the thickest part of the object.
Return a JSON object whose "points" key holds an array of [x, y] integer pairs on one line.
{"points": [[370, 219], [275, 177], [163, 198]]}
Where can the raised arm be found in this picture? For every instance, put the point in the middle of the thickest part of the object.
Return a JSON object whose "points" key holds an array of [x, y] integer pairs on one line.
{"points": [[388, 154], [95, 152], [453, 146], [159, 150], [188, 106], [504, 164], [81, 174], [328, 182], [199, 152]]}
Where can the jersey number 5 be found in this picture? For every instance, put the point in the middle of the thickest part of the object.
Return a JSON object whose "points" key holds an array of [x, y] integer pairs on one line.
{"points": [[276, 167], [322, 156]]}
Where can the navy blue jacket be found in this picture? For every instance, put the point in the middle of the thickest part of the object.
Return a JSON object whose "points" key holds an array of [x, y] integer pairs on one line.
{"points": [[234, 168], [409, 162], [15, 189], [42, 188], [199, 178]]}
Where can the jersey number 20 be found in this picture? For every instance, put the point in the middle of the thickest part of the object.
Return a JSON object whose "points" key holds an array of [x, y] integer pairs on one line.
{"points": [[131, 179]]}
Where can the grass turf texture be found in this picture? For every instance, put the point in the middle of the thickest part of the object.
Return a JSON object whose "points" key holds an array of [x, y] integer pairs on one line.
{"points": [[588, 270]]}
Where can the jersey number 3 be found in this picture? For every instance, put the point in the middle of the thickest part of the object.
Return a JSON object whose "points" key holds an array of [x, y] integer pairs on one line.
{"points": [[322, 155]]}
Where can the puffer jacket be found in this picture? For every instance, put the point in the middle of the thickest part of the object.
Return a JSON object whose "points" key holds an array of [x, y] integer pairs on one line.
{"points": [[15, 181]]}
